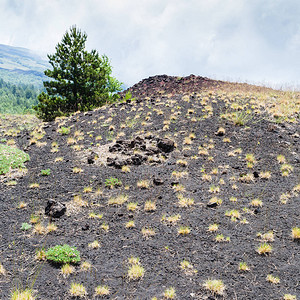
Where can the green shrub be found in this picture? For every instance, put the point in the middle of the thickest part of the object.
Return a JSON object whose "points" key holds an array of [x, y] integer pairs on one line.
{"points": [[26, 226], [45, 172], [112, 182], [11, 158], [63, 254], [64, 130]]}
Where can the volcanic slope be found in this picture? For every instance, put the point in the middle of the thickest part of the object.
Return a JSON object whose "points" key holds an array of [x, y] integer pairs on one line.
{"points": [[163, 193]]}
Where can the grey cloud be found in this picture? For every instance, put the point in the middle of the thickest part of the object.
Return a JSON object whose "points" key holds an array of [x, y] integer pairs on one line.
{"points": [[236, 39]]}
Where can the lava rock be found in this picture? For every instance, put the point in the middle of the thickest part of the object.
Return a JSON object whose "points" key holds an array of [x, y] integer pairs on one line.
{"points": [[158, 181], [165, 145], [91, 158], [137, 159], [55, 209]]}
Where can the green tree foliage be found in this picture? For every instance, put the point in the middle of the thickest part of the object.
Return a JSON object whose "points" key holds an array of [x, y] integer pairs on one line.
{"points": [[80, 80], [17, 98]]}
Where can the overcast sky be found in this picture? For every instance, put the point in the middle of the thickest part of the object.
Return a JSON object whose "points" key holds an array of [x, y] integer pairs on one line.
{"points": [[238, 40]]}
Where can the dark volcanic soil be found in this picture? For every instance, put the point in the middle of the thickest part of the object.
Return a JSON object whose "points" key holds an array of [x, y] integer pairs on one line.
{"points": [[214, 168]]}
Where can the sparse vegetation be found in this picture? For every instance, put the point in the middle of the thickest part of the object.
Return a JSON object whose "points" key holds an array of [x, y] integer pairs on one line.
{"points": [[11, 158], [195, 190]]}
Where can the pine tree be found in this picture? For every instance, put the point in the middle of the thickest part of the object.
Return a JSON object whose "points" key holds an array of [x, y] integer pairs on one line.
{"points": [[80, 80]]}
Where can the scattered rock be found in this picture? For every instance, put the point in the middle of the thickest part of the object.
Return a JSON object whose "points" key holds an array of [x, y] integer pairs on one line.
{"points": [[55, 209], [158, 181], [91, 158], [166, 145]]}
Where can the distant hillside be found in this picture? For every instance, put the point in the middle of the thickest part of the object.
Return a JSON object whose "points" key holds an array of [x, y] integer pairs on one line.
{"points": [[20, 65]]}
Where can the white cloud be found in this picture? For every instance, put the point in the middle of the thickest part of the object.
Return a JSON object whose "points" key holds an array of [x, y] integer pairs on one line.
{"points": [[236, 39]]}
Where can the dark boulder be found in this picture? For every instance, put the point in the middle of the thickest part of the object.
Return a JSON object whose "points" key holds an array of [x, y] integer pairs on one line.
{"points": [[165, 145], [55, 209]]}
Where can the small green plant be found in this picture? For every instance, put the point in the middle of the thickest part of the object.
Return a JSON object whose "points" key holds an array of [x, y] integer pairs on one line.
{"points": [[11, 158], [63, 254], [112, 182], [26, 226], [45, 172], [64, 130], [128, 97]]}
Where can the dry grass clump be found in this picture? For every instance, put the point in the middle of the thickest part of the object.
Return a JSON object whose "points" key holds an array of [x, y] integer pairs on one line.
{"points": [[22, 205], [179, 188], [85, 266], [67, 270], [184, 202], [102, 290], [169, 293], [2, 270], [181, 162], [256, 203], [215, 286], [132, 206], [247, 178], [130, 224], [77, 170], [234, 214], [296, 233], [215, 200], [173, 219], [213, 227], [243, 267], [26, 294], [187, 267], [135, 271], [264, 249], [289, 297], [272, 279], [265, 175], [94, 245], [118, 200], [267, 237], [179, 175], [125, 169], [39, 229], [148, 232], [78, 290], [184, 230], [143, 184], [78, 201], [149, 206]]}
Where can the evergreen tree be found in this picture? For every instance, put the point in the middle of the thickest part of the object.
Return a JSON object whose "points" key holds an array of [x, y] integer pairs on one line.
{"points": [[80, 80]]}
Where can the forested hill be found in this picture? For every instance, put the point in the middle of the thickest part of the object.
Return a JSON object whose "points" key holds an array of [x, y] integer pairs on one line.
{"points": [[20, 65], [17, 98]]}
